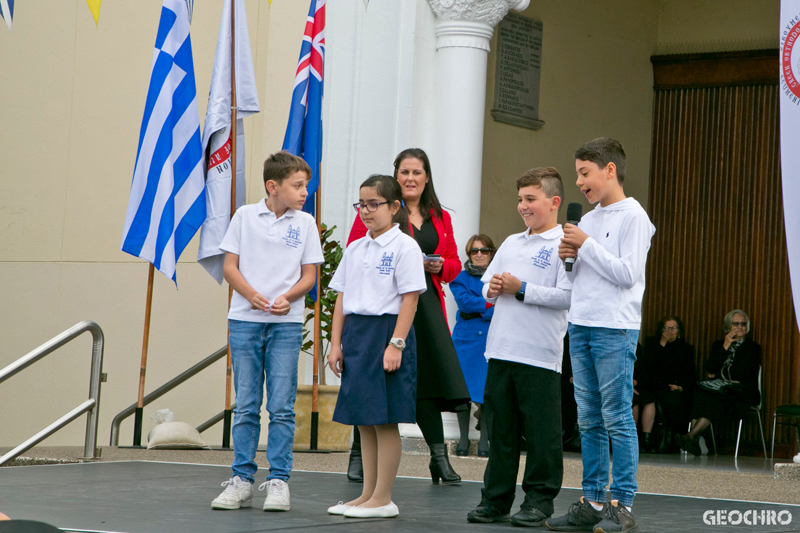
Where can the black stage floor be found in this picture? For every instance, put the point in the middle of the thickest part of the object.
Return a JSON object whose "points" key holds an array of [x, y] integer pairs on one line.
{"points": [[150, 497]]}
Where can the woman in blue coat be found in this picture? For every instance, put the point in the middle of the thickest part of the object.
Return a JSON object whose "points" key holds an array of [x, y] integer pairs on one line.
{"points": [[469, 334]]}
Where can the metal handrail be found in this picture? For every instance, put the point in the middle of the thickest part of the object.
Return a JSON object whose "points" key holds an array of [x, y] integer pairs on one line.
{"points": [[163, 389], [214, 420], [92, 405]]}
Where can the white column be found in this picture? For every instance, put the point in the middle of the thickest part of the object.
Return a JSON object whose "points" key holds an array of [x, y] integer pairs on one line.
{"points": [[463, 31]]}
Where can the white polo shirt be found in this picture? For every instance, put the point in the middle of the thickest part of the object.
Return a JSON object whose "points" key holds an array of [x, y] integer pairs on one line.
{"points": [[374, 273], [530, 332], [271, 252], [609, 270]]}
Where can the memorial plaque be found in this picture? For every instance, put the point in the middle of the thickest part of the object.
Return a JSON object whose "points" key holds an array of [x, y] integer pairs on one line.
{"points": [[516, 88]]}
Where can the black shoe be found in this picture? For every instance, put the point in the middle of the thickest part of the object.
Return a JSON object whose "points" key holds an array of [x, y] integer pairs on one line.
{"points": [[486, 513], [462, 452], [692, 446], [440, 465], [355, 468], [483, 453], [645, 444], [617, 519], [529, 518], [580, 517]]}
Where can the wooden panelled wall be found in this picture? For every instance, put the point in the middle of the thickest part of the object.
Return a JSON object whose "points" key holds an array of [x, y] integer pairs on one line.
{"points": [[716, 202]]}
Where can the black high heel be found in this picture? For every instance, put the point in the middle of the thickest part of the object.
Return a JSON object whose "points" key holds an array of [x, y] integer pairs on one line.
{"points": [[440, 465], [355, 468]]}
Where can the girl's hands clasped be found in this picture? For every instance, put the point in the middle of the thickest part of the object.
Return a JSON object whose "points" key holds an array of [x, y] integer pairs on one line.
{"points": [[392, 357]]}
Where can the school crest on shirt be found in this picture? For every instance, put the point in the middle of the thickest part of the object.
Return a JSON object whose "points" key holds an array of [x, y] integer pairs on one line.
{"points": [[292, 237], [385, 267], [542, 257]]}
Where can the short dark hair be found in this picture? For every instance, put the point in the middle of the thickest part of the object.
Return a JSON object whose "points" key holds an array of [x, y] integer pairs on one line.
{"points": [[281, 165], [389, 189], [603, 151], [546, 178]]}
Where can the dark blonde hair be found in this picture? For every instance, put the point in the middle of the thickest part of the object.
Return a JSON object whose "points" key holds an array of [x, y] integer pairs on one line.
{"points": [[546, 178], [389, 189], [281, 165]]}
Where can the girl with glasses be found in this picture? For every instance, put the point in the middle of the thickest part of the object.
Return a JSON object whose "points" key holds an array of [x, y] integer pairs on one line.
{"points": [[440, 382]]}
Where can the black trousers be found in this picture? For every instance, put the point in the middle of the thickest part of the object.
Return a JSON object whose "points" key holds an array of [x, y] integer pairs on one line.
{"points": [[523, 401]]}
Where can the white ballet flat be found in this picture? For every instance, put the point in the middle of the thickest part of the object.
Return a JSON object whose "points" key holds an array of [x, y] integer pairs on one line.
{"points": [[339, 508], [386, 511]]}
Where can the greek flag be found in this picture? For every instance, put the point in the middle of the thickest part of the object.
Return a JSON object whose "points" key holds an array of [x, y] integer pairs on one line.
{"points": [[168, 203]]}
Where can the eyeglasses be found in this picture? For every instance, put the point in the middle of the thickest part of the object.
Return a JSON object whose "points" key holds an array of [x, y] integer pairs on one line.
{"points": [[484, 251], [739, 324], [670, 328], [371, 207]]}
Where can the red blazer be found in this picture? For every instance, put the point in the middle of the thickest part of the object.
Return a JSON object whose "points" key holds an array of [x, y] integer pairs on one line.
{"points": [[447, 249]]}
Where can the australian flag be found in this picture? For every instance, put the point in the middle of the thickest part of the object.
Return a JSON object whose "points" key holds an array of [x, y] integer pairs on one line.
{"points": [[304, 132]]}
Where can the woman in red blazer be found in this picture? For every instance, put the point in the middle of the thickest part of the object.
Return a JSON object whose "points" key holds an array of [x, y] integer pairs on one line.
{"points": [[440, 383]]}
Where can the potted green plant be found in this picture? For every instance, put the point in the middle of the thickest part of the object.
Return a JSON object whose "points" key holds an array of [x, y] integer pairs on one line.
{"points": [[331, 436]]}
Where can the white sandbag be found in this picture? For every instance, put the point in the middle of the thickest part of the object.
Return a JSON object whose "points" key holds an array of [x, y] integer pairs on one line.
{"points": [[173, 435]]}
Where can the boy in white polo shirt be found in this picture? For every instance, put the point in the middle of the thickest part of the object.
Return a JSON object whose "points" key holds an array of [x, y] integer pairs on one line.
{"points": [[531, 292], [272, 249], [611, 248]]}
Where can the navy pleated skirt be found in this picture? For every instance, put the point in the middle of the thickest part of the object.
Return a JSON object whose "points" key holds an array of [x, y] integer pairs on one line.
{"points": [[370, 396]]}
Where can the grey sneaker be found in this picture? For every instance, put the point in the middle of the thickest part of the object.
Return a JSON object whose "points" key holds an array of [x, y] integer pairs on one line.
{"points": [[617, 518], [580, 517], [238, 493], [277, 495]]}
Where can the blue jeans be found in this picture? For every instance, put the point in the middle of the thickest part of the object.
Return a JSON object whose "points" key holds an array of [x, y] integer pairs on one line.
{"points": [[602, 368], [260, 351]]}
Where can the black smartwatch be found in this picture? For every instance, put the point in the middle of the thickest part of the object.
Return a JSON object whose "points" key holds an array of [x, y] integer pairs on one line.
{"points": [[521, 292]]}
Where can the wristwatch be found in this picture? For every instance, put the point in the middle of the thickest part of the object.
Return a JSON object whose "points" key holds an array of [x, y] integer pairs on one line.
{"points": [[521, 292], [398, 343]]}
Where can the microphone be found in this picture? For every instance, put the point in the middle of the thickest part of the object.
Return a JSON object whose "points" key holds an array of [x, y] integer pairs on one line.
{"points": [[574, 212]]}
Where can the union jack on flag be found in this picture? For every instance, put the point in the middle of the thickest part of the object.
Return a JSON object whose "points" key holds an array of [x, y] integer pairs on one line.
{"points": [[304, 132]]}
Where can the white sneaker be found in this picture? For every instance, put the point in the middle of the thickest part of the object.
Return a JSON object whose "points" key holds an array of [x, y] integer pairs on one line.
{"points": [[277, 495], [237, 494], [703, 446]]}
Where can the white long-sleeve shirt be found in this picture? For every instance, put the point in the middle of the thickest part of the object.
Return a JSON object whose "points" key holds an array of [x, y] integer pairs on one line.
{"points": [[530, 332], [609, 270]]}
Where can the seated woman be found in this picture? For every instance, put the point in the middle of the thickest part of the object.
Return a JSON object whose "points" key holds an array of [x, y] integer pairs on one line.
{"points": [[667, 376], [469, 334], [736, 360]]}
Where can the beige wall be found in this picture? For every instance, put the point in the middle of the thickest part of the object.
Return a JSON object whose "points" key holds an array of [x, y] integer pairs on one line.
{"points": [[73, 98], [597, 81]]}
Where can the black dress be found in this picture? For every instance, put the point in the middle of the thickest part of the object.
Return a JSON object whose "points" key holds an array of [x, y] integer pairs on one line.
{"points": [[663, 366], [730, 403], [439, 375]]}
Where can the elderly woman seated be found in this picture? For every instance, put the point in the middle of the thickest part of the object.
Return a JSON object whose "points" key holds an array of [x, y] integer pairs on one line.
{"points": [[732, 368]]}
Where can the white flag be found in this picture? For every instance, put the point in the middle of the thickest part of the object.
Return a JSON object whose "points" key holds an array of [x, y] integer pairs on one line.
{"points": [[216, 136], [790, 136]]}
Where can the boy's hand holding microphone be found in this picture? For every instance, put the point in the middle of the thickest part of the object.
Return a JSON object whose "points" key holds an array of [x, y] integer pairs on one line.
{"points": [[573, 238]]}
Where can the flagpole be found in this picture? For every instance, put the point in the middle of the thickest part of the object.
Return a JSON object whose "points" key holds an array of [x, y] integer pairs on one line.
{"points": [[137, 423], [315, 353], [227, 419]]}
